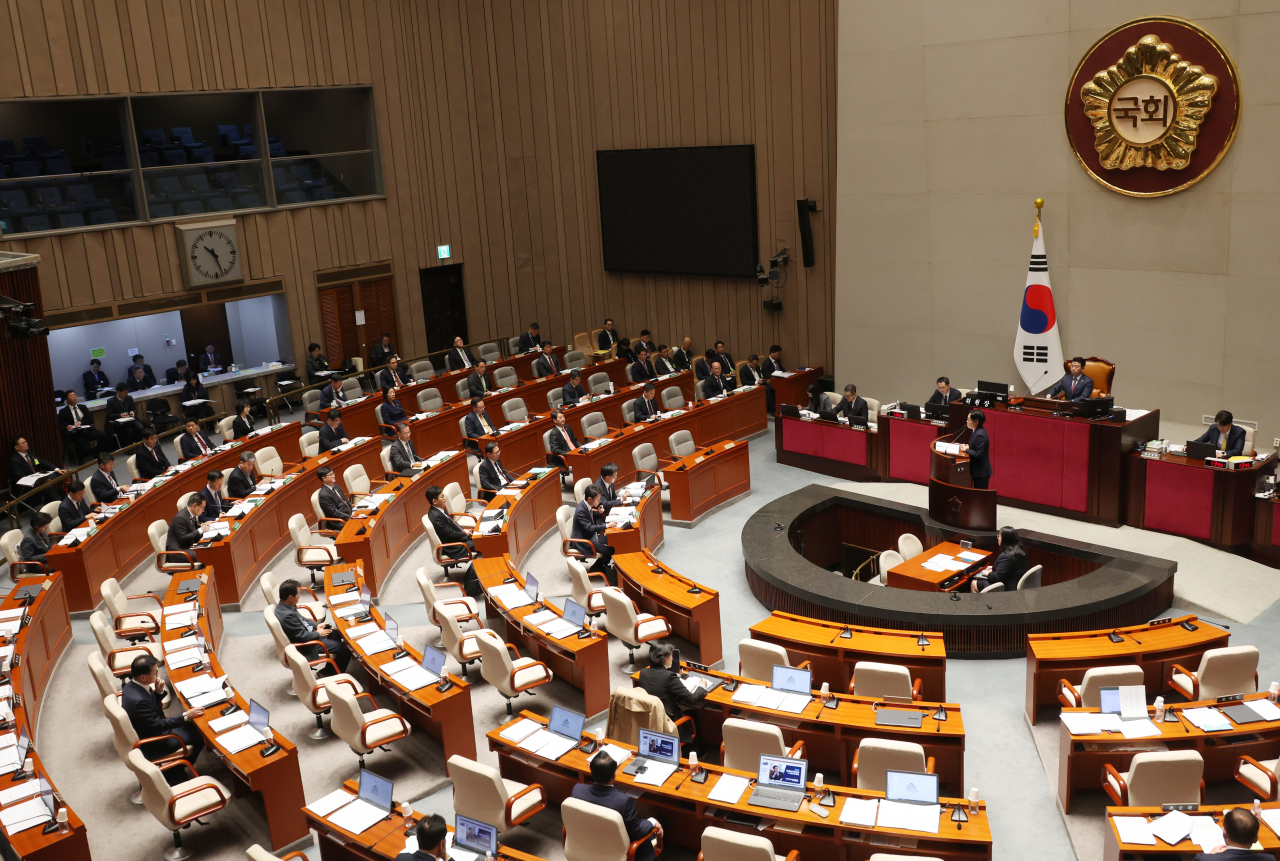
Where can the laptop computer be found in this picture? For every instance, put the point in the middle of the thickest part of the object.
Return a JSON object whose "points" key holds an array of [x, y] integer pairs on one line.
{"points": [[1201, 450], [780, 783], [654, 747], [828, 415], [937, 412], [259, 717], [433, 661], [574, 613], [792, 680], [564, 733], [790, 410], [899, 717], [531, 587], [912, 787], [474, 838]]}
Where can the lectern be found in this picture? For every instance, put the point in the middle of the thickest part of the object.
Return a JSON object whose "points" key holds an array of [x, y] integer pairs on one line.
{"points": [[953, 500]]}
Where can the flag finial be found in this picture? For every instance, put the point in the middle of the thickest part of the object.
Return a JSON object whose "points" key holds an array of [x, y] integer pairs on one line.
{"points": [[1035, 231]]}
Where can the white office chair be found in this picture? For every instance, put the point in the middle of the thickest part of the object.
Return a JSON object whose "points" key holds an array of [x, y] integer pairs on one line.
{"points": [[314, 606], [17, 567], [756, 659], [598, 384], [874, 679], [447, 597], [875, 756], [745, 741], [579, 490], [423, 370], [502, 666], [311, 403], [124, 738], [364, 732], [993, 587], [698, 391], [909, 546], [672, 398], [280, 641], [584, 592], [131, 463], [314, 557], [1088, 695], [177, 449], [226, 427], [628, 624], [309, 442], [463, 390], [139, 613], [440, 549], [596, 833], [176, 807], [118, 653], [169, 561], [461, 645], [721, 844], [310, 690], [682, 444], [506, 378], [482, 794], [514, 409], [646, 461], [1222, 671], [108, 684], [456, 502], [1156, 778], [888, 560], [384, 457], [594, 426], [270, 463], [1259, 777], [429, 400], [1031, 580], [357, 481]]}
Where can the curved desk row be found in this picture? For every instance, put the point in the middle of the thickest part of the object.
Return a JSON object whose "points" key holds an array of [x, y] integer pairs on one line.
{"points": [[656, 588], [1155, 646], [708, 478], [445, 715], [530, 514], [685, 809]]}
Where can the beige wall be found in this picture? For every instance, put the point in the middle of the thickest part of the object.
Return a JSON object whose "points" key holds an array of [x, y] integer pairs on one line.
{"points": [[950, 123]]}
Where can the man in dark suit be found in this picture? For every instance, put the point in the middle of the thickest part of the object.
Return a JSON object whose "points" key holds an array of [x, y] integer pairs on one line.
{"points": [[243, 481], [333, 395], [210, 359], [945, 394], [702, 366], [646, 341], [725, 360], [316, 362], [121, 406], [477, 424], [141, 698], [589, 526], [382, 351], [177, 373], [431, 833], [402, 455], [661, 679], [530, 340], [147, 376], [193, 443], [562, 440], [1240, 829], [94, 380], [1225, 435], [751, 373], [1074, 385], [184, 529], [715, 383], [682, 359], [103, 483], [608, 487], [608, 336], [334, 504], [332, 433], [23, 463], [138, 380], [73, 510], [773, 362], [851, 406], [978, 449], [646, 406], [149, 458], [36, 541], [459, 357], [393, 375], [573, 391], [601, 791], [78, 427], [449, 532], [662, 364], [298, 629], [215, 504], [477, 385], [493, 475], [642, 369], [548, 363]]}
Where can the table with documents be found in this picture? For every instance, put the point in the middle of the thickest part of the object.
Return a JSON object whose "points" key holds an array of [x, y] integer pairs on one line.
{"points": [[1132, 833], [930, 571], [692, 609]]}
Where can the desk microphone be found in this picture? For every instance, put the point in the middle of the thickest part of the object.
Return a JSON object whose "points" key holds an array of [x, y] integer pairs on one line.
{"points": [[1032, 386]]}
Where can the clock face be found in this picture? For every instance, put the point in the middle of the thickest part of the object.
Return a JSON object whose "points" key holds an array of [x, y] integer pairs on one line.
{"points": [[213, 255]]}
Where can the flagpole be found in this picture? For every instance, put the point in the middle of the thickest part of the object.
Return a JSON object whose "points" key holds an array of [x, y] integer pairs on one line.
{"points": [[1035, 231]]}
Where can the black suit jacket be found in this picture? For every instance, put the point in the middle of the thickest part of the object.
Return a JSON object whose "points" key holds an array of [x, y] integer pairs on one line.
{"points": [[607, 339], [713, 387], [768, 366], [241, 427], [94, 383], [666, 685], [330, 437], [150, 461], [643, 409], [608, 493], [662, 366], [454, 359], [20, 468], [206, 362], [329, 398], [334, 505], [641, 371], [148, 376], [34, 546], [386, 379], [1233, 853], [184, 530], [143, 706], [701, 370], [1008, 570], [103, 490], [1235, 439], [173, 375], [72, 514], [726, 363], [682, 360], [136, 385], [573, 394], [477, 386], [320, 363], [952, 395], [116, 408], [190, 445], [380, 355], [559, 445], [980, 454], [625, 806], [214, 506], [545, 366], [472, 425], [529, 343], [240, 485], [493, 475], [65, 419], [449, 532], [402, 456], [856, 409], [297, 629], [589, 526], [1075, 390], [752, 377]]}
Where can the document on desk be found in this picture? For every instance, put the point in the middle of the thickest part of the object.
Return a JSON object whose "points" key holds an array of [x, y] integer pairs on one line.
{"points": [[656, 773], [859, 811], [491, 527], [620, 754], [355, 632], [1207, 719], [794, 703], [414, 678], [19, 792], [503, 589], [908, 817], [1133, 702], [22, 816], [350, 611], [969, 556], [1087, 723], [556, 746], [175, 621], [770, 699], [357, 817], [231, 721], [201, 684], [535, 740], [178, 660], [533, 620], [559, 629], [1206, 833], [240, 738], [1265, 709], [729, 789], [1134, 829], [30, 480], [375, 643], [1173, 827], [513, 600], [1140, 729], [1272, 818], [344, 598], [520, 730], [748, 694]]}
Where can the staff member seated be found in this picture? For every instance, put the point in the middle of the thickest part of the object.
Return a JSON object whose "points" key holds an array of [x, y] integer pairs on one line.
{"points": [[333, 395], [121, 406], [103, 481], [316, 362], [944, 394], [601, 791], [851, 406], [402, 455], [210, 359], [299, 631], [1074, 385], [562, 440], [382, 351], [192, 391], [215, 504], [624, 351], [608, 336], [642, 368], [36, 542], [243, 480], [392, 411], [334, 504], [662, 680], [79, 428], [979, 449], [73, 511], [751, 373], [177, 373], [459, 357], [94, 380], [150, 459], [332, 433], [477, 385], [548, 363], [147, 375], [493, 475], [23, 463], [1009, 566], [449, 532], [588, 525], [530, 340], [138, 380], [184, 529], [646, 406], [476, 425], [392, 374], [1225, 436], [242, 424], [573, 391], [141, 698], [193, 443], [682, 359]]}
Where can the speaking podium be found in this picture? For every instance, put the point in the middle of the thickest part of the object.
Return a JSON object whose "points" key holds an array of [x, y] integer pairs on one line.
{"points": [[953, 500]]}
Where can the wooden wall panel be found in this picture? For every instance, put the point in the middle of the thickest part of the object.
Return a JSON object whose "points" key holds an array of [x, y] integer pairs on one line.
{"points": [[489, 116]]}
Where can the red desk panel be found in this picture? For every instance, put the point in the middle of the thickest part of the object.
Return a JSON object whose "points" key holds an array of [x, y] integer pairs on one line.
{"points": [[1179, 499], [909, 443], [1040, 460]]}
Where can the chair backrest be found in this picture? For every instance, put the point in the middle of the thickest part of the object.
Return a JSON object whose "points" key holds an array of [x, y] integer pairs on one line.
{"points": [[1248, 439], [697, 391], [430, 400], [158, 532], [598, 384], [102, 631], [620, 614], [257, 853], [269, 587], [631, 373], [555, 398], [478, 791], [672, 398], [351, 385], [311, 400], [51, 509], [594, 340], [579, 490], [564, 519], [269, 462], [475, 473], [1102, 372], [873, 409], [629, 411], [464, 393], [682, 444], [315, 507], [579, 580], [1228, 671], [131, 462], [546, 439], [506, 377], [385, 457], [645, 457], [177, 448], [9, 545], [594, 425], [89, 494], [878, 755], [377, 412], [582, 343], [277, 632], [181, 501], [1165, 777], [426, 587], [489, 352], [593, 832], [114, 598], [347, 720], [455, 501], [888, 559], [108, 685], [156, 791], [450, 630], [1097, 678], [1031, 580], [433, 537], [495, 660], [304, 678], [909, 546], [515, 410], [462, 426], [575, 359], [995, 587], [874, 679], [745, 741], [298, 529], [423, 370], [225, 427], [721, 844], [757, 658], [356, 479]]}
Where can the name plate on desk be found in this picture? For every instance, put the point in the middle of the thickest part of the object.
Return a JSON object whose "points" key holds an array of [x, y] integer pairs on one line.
{"points": [[1151, 455], [985, 399]]}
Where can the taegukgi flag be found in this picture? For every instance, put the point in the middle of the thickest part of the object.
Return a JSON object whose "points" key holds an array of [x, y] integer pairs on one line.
{"points": [[1038, 347]]}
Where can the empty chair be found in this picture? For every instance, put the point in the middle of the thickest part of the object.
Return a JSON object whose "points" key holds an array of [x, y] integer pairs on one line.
{"points": [[309, 442], [555, 399], [161, 210], [721, 844], [269, 462], [139, 613], [594, 426], [584, 592], [461, 645], [481, 793], [119, 654], [358, 482], [682, 444], [363, 732], [514, 410], [310, 691], [1222, 671], [628, 624], [1095, 679], [596, 833], [697, 391], [874, 679], [756, 659], [313, 607], [599, 384], [1031, 580], [888, 560], [313, 557], [488, 352], [745, 741], [1155, 778], [444, 597], [464, 393], [423, 370], [909, 546], [176, 807], [502, 667], [32, 223], [628, 412], [672, 398], [994, 587], [296, 195], [875, 756], [1258, 777], [429, 400], [505, 378], [575, 359], [647, 462]]}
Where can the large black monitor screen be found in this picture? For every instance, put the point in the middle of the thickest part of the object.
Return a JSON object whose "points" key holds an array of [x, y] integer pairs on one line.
{"points": [[680, 211]]}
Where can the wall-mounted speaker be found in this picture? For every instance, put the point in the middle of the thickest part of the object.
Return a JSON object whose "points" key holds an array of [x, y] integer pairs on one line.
{"points": [[803, 208]]}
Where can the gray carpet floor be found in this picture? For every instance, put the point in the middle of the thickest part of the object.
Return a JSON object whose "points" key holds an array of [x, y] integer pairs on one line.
{"points": [[1013, 765]]}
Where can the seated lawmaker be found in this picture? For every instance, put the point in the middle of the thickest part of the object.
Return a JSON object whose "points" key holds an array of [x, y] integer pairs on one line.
{"points": [[851, 406], [449, 532], [193, 443], [148, 376], [177, 373], [601, 791], [243, 480], [573, 391], [94, 380], [402, 455], [382, 351], [78, 427], [608, 336], [300, 630], [103, 483], [702, 367], [392, 411], [646, 406], [332, 433], [73, 510], [945, 394], [333, 395], [752, 375], [150, 459], [589, 526], [548, 364], [142, 700], [23, 463], [184, 529], [715, 383], [642, 368], [36, 542], [661, 679], [334, 504], [663, 364], [562, 439], [215, 502], [725, 360], [1009, 566], [530, 340], [393, 374], [477, 385], [476, 425], [682, 359], [1074, 385], [1225, 436], [242, 424], [493, 475], [459, 357], [210, 359], [1240, 831], [624, 351]]}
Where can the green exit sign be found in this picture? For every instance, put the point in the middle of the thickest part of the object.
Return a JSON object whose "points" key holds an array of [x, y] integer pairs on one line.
{"points": [[443, 252]]}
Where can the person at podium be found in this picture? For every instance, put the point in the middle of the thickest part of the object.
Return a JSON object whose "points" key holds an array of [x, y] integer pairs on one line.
{"points": [[1009, 566], [1224, 435], [979, 450], [1074, 385], [945, 394]]}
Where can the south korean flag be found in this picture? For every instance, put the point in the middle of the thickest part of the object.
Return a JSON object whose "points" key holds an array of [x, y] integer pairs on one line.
{"points": [[1038, 347]]}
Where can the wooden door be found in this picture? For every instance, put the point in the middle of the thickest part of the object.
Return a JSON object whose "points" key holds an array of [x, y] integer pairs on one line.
{"points": [[200, 325], [338, 322], [377, 300]]}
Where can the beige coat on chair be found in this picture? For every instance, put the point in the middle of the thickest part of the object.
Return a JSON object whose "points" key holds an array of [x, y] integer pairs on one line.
{"points": [[631, 710]]}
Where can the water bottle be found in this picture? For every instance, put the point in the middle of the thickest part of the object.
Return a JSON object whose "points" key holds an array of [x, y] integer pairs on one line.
{"points": [[64, 821], [1159, 705], [973, 801], [826, 691], [1274, 691], [1256, 809]]}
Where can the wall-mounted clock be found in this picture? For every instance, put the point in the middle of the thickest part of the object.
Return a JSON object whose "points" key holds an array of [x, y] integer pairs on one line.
{"points": [[210, 252]]}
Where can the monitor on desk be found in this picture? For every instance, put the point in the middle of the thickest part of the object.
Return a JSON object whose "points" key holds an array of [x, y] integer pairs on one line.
{"points": [[790, 410], [574, 613], [828, 415], [475, 836], [937, 412], [433, 661], [913, 787], [1109, 700], [792, 680], [1201, 450], [659, 746], [259, 717], [375, 790], [366, 597], [993, 388]]}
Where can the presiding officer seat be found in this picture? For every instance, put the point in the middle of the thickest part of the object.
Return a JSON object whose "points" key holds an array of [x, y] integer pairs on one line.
{"points": [[1102, 372]]}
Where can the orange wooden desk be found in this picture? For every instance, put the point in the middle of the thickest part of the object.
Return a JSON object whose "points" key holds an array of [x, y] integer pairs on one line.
{"points": [[686, 810], [645, 533], [1114, 850], [663, 592], [795, 388], [912, 574], [446, 716], [529, 516], [1154, 647], [708, 478], [583, 663]]}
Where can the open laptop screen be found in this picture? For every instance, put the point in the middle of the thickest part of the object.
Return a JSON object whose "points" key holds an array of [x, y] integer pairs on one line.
{"points": [[1109, 699], [531, 587], [259, 717], [375, 790], [659, 746], [475, 836], [390, 626], [783, 771], [433, 660], [567, 723], [574, 613], [916, 787], [791, 680]]}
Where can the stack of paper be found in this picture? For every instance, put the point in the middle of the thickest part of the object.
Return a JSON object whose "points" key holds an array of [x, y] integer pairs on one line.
{"points": [[908, 817], [240, 738], [185, 658], [376, 642], [520, 730], [1207, 719], [412, 677], [343, 598], [75, 535], [859, 811], [1271, 816], [617, 754], [357, 817], [656, 773], [349, 611], [222, 724], [541, 617], [968, 556], [507, 428], [512, 600], [1264, 709], [181, 644], [373, 500], [23, 790], [783, 374], [1173, 827], [1087, 723], [635, 488], [620, 514], [30, 480], [558, 629], [216, 529], [548, 745], [782, 701], [1206, 833], [1143, 728], [174, 621], [729, 789], [503, 589], [748, 694], [196, 685], [1134, 829], [23, 816], [355, 632], [596, 443], [949, 447]]}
